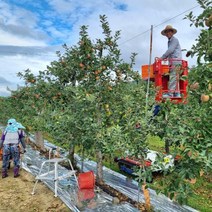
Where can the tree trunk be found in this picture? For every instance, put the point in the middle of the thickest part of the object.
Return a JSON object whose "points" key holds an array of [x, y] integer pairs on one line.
{"points": [[71, 155], [39, 140], [167, 147], [82, 160], [146, 197], [99, 171]]}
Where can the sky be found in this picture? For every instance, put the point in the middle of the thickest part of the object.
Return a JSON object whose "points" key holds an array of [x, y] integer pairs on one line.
{"points": [[32, 31]]}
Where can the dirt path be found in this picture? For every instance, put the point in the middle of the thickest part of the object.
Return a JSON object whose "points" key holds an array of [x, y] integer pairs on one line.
{"points": [[15, 195]]}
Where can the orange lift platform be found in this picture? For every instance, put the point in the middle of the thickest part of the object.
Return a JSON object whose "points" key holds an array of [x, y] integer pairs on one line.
{"points": [[159, 71]]}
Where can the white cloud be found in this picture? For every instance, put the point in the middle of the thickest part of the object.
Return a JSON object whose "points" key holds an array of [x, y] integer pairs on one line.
{"points": [[36, 26], [19, 63], [7, 38]]}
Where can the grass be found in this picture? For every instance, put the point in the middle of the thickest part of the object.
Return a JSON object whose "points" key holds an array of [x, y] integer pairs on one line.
{"points": [[202, 196], [201, 199], [155, 143]]}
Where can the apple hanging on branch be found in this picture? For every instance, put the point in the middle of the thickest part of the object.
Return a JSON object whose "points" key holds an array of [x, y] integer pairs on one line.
{"points": [[205, 98]]}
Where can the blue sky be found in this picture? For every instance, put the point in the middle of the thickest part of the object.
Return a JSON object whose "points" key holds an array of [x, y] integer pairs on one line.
{"points": [[32, 31]]}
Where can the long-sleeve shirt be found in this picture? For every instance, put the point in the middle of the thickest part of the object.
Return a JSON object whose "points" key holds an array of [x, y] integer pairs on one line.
{"points": [[174, 49]]}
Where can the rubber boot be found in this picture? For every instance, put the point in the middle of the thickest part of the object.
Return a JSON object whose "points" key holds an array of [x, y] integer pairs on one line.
{"points": [[16, 172], [4, 173]]}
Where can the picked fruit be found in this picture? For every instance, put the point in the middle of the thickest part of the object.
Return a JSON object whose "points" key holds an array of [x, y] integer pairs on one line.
{"points": [[205, 98], [194, 86], [81, 65], [208, 22]]}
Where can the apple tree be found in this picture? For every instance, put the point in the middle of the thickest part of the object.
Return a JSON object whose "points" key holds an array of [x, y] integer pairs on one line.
{"points": [[187, 126]]}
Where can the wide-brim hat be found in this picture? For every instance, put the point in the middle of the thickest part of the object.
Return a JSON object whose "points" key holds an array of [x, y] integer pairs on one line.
{"points": [[168, 27]]}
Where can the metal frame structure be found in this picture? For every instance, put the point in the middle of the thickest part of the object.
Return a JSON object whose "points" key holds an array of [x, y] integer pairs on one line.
{"points": [[53, 174]]}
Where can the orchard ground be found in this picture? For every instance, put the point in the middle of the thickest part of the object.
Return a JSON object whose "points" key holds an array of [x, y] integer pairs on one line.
{"points": [[15, 195]]}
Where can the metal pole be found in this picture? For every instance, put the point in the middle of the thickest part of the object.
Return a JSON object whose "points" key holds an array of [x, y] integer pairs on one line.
{"points": [[150, 61]]}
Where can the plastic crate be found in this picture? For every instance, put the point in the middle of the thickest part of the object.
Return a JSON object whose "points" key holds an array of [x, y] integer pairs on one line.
{"points": [[144, 71], [145, 68]]}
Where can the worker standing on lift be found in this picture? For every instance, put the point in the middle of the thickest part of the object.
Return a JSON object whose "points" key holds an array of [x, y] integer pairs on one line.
{"points": [[174, 55]]}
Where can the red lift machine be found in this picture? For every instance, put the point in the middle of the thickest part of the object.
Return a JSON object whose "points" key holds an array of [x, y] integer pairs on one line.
{"points": [[159, 74]]}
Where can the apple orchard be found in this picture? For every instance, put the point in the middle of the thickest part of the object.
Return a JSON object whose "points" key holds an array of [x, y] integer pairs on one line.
{"points": [[89, 101]]}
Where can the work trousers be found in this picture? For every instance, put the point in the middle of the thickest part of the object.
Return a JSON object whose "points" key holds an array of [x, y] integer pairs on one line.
{"points": [[8, 152], [174, 75]]}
